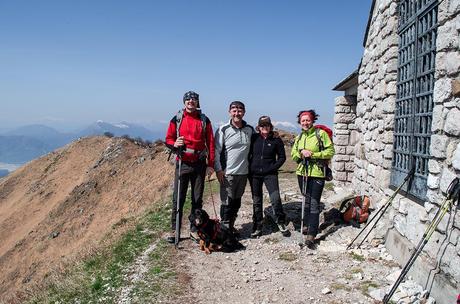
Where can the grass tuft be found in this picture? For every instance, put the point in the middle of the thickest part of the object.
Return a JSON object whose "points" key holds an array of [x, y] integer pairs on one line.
{"points": [[288, 256], [365, 285], [357, 257]]}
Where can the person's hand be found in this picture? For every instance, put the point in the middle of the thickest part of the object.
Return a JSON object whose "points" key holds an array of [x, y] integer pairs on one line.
{"points": [[179, 142], [306, 153], [209, 171], [220, 176]]}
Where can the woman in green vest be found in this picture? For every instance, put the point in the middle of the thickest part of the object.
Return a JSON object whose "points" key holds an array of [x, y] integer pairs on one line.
{"points": [[311, 160]]}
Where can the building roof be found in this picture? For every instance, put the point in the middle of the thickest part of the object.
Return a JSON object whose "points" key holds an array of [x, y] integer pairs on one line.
{"points": [[348, 82]]}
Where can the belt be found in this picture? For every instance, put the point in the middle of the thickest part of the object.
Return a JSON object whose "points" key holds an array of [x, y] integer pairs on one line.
{"points": [[193, 151]]}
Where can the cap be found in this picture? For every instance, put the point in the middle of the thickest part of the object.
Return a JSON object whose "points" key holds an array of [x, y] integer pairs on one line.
{"points": [[191, 95], [265, 120]]}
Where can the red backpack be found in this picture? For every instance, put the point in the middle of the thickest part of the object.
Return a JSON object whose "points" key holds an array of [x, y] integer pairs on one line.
{"points": [[327, 170], [355, 210], [325, 129]]}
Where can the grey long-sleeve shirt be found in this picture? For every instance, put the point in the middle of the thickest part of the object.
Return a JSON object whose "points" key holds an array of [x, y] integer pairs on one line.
{"points": [[232, 148]]}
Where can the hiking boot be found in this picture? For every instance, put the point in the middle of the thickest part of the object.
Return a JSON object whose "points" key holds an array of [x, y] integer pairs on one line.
{"points": [[310, 242], [284, 231], [194, 237], [171, 238], [256, 233], [233, 230]]}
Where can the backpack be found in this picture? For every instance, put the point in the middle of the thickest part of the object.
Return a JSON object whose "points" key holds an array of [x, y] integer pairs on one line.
{"points": [[355, 210], [179, 116], [325, 129], [327, 170]]}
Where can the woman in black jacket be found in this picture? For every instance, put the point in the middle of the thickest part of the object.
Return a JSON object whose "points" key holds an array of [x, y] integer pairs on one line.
{"points": [[266, 156]]}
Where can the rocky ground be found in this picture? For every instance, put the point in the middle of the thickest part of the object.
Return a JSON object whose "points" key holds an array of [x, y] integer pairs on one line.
{"points": [[275, 269]]}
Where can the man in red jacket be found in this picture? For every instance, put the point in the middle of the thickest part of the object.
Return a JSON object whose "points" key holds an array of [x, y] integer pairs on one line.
{"points": [[190, 136]]}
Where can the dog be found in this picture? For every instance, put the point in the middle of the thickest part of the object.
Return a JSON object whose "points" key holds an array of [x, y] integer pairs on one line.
{"points": [[213, 236]]}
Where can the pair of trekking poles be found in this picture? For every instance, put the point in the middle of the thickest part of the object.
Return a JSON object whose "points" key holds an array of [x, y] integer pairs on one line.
{"points": [[304, 198], [453, 194], [452, 199]]}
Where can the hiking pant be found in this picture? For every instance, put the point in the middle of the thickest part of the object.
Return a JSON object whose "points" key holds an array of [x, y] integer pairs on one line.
{"points": [[315, 187], [231, 192], [193, 173], [272, 185]]}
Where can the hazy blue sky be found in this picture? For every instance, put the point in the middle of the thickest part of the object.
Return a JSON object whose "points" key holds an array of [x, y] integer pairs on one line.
{"points": [[70, 63]]}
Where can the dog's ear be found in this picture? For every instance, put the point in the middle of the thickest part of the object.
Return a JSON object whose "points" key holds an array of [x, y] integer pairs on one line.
{"points": [[205, 215], [191, 217]]}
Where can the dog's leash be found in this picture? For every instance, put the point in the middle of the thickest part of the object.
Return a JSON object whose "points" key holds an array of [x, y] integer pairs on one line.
{"points": [[212, 199]]}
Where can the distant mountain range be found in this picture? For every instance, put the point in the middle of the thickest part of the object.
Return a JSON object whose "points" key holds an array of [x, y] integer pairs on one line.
{"points": [[25, 143], [287, 126], [28, 142]]}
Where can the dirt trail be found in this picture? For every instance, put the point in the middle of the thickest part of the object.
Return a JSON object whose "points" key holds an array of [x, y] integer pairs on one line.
{"points": [[274, 269]]}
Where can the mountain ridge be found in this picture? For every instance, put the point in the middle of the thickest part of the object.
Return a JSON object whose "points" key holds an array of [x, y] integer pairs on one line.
{"points": [[55, 206], [28, 142]]}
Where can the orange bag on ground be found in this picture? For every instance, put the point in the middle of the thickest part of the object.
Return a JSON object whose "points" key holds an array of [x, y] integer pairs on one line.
{"points": [[355, 209]]}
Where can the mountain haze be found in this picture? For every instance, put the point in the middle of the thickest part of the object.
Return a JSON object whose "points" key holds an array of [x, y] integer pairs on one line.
{"points": [[25, 143]]}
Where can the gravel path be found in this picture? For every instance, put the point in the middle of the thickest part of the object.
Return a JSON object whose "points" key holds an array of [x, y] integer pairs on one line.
{"points": [[274, 269]]}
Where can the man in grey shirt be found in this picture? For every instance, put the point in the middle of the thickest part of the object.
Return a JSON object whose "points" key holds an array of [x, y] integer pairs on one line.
{"points": [[232, 144]]}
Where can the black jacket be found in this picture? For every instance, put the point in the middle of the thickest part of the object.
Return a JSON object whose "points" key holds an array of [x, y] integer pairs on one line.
{"points": [[266, 156]]}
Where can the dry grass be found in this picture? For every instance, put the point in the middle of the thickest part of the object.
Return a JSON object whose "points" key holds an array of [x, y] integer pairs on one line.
{"points": [[288, 256]]}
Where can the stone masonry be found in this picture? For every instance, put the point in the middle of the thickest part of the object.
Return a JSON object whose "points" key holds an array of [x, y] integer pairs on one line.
{"points": [[370, 136], [345, 134]]}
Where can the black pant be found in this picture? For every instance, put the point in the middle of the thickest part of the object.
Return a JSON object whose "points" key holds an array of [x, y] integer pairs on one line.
{"points": [[193, 173], [231, 191], [271, 182], [313, 193]]}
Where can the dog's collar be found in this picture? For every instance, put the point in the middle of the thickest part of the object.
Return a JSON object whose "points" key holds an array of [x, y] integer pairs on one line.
{"points": [[216, 228]]}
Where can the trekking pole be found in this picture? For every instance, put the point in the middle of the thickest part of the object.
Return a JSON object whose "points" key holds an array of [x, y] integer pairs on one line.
{"points": [[304, 197], [381, 211], [453, 193], [178, 224]]}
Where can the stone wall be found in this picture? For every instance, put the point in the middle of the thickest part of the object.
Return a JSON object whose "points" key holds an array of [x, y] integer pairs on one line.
{"points": [[376, 102], [404, 223], [345, 134]]}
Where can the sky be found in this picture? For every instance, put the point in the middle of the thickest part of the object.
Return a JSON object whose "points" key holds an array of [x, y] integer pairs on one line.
{"points": [[69, 63]]}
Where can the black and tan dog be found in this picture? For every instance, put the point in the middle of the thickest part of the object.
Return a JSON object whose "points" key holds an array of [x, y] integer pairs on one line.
{"points": [[213, 236]]}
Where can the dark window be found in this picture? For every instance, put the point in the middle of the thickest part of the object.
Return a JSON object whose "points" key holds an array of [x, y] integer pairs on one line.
{"points": [[414, 95]]}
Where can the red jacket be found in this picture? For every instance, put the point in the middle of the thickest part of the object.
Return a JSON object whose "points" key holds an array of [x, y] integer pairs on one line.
{"points": [[192, 129]]}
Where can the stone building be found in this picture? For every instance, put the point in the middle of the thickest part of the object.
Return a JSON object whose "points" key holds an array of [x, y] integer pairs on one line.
{"points": [[406, 113]]}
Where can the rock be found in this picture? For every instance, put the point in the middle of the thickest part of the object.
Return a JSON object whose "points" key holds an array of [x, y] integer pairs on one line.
{"points": [[326, 291], [410, 288], [377, 293], [392, 277], [54, 235]]}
